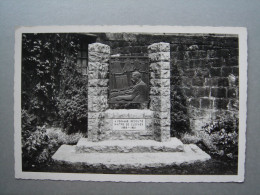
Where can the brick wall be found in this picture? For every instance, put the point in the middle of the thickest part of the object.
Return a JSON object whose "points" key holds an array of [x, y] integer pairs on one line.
{"points": [[204, 73]]}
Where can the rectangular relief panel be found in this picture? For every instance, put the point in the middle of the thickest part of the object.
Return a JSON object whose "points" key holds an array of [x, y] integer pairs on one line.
{"points": [[129, 79]]}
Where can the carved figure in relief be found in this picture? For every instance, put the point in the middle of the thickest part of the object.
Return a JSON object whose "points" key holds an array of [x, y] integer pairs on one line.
{"points": [[137, 93]]}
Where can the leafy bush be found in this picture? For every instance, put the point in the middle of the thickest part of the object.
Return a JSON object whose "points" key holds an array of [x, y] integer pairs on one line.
{"points": [[219, 138], [35, 147], [63, 138], [40, 143], [44, 55], [73, 105], [224, 135], [180, 122]]}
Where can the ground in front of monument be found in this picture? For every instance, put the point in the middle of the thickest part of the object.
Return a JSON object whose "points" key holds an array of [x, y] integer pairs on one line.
{"points": [[130, 103]]}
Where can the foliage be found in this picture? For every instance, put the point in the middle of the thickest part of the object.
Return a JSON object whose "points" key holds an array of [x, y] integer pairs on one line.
{"points": [[224, 135], [43, 57], [52, 90], [180, 122], [63, 138], [39, 143], [219, 138], [72, 102]]}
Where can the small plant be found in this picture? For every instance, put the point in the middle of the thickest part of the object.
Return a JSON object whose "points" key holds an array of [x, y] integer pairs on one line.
{"points": [[34, 147], [62, 138], [37, 146]]}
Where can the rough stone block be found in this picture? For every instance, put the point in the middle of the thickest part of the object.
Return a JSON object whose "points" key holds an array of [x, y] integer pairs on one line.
{"points": [[161, 115], [188, 72], [188, 154], [215, 72], [93, 122], [98, 57], [194, 102], [160, 103], [223, 82], [93, 66], [149, 125], [165, 74], [93, 74], [226, 71], [133, 113], [235, 71], [128, 146], [218, 92], [159, 47], [155, 103], [160, 56], [206, 103], [165, 103], [161, 74], [160, 82], [162, 122], [232, 93], [155, 91], [160, 91], [97, 91], [233, 104], [186, 81], [202, 73], [202, 91], [198, 81], [159, 66], [221, 103], [98, 82], [232, 61], [94, 115], [99, 47], [92, 135], [189, 92], [97, 103]]}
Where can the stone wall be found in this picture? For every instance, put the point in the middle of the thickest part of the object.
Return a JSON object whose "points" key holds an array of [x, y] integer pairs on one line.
{"points": [[204, 72]]}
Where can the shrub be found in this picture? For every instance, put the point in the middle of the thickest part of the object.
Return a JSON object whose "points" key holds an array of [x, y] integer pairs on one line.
{"points": [[219, 138], [73, 106], [37, 147], [63, 138], [224, 135], [34, 147]]}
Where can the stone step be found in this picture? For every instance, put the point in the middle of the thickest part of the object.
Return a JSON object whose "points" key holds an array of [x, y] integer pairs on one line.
{"points": [[67, 154], [128, 146]]}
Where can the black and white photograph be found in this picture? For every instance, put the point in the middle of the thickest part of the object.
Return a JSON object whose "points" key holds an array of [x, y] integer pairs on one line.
{"points": [[130, 103]]}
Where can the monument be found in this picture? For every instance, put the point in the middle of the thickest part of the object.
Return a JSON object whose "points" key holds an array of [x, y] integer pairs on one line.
{"points": [[129, 113]]}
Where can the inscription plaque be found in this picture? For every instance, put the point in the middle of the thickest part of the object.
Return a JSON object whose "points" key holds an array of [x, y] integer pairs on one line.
{"points": [[129, 124]]}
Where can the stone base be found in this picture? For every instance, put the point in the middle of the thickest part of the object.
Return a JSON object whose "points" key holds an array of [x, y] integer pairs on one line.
{"points": [[126, 146], [121, 160]]}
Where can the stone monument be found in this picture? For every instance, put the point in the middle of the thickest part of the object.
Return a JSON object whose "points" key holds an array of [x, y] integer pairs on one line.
{"points": [[129, 113]]}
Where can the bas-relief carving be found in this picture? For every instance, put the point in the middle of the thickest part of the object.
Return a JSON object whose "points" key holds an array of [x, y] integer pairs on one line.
{"points": [[136, 94], [129, 81]]}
